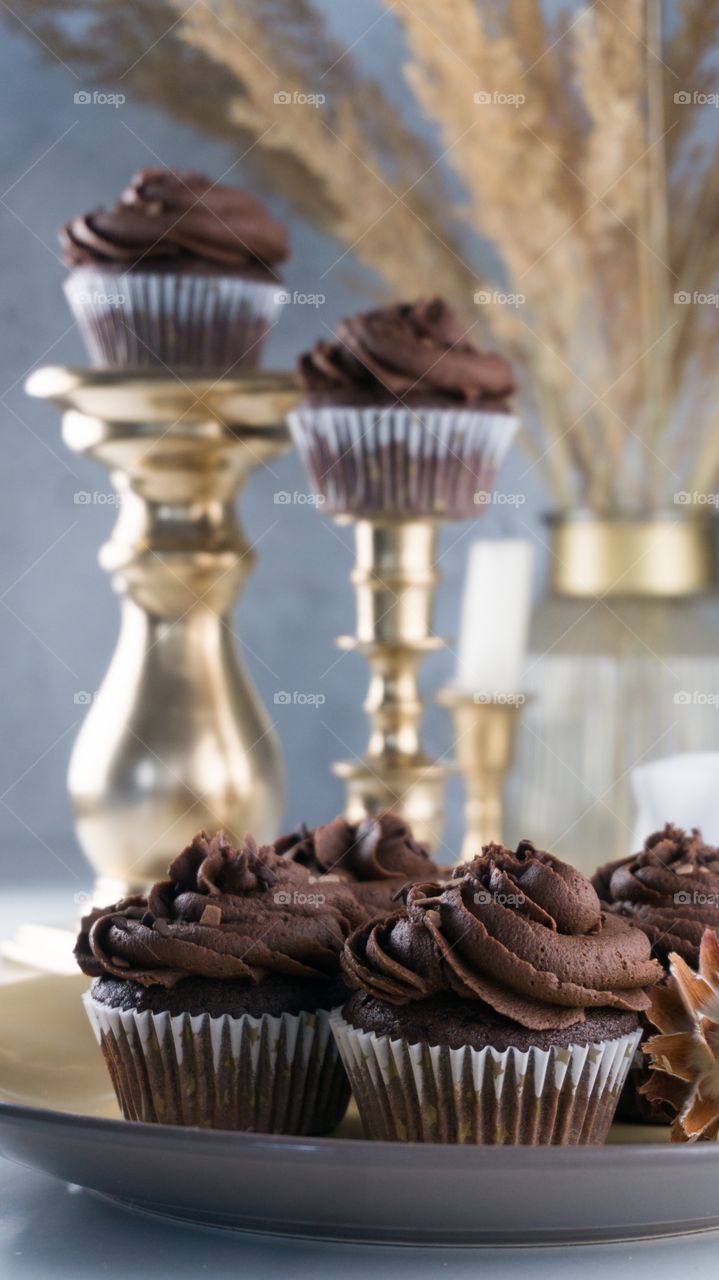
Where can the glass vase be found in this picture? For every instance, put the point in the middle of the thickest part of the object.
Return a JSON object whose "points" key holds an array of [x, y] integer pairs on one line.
{"points": [[623, 669]]}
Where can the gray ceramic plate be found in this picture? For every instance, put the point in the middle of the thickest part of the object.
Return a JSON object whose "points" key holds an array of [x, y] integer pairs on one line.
{"points": [[57, 1115]]}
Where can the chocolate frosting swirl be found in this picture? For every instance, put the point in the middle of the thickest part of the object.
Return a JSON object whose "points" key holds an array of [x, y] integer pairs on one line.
{"points": [[416, 350], [176, 219], [522, 932], [222, 913], [670, 889], [374, 857]]}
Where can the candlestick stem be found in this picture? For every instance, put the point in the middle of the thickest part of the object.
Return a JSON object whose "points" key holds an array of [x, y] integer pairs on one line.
{"points": [[485, 732], [395, 579]]}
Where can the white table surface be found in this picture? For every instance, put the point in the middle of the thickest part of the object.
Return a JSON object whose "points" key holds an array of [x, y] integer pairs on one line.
{"points": [[49, 1231]]}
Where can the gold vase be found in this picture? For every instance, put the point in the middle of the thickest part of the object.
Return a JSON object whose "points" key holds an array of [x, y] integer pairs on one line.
{"points": [[395, 578], [622, 657], [176, 738]]}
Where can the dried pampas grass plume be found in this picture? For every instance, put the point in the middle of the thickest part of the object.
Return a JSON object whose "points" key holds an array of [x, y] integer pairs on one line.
{"points": [[568, 154]]}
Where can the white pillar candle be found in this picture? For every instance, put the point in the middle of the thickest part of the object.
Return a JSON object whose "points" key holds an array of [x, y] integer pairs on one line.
{"points": [[495, 616]]}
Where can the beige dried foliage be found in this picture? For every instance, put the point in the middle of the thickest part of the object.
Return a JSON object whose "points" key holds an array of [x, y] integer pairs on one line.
{"points": [[579, 205], [368, 213], [596, 198]]}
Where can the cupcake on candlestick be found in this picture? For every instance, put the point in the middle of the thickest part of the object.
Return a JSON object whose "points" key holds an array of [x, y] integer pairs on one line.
{"points": [[404, 415], [180, 273]]}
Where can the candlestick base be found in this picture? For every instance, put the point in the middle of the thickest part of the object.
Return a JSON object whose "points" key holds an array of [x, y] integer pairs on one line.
{"points": [[485, 733]]}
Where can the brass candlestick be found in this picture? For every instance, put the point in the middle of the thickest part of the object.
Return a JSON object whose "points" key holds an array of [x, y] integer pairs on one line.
{"points": [[395, 578], [485, 733], [176, 738]]}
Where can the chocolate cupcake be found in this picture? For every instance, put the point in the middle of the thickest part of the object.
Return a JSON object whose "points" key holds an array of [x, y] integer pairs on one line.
{"points": [[500, 1008], [670, 889], [211, 997], [179, 273], [373, 858], [404, 415]]}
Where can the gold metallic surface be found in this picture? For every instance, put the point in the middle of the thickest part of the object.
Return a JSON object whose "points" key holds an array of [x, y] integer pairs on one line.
{"points": [[176, 738], [668, 556], [485, 733], [395, 577]]}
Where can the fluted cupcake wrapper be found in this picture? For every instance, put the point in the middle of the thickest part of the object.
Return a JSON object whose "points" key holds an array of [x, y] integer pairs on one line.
{"points": [[269, 1074], [192, 321], [425, 1093], [396, 460]]}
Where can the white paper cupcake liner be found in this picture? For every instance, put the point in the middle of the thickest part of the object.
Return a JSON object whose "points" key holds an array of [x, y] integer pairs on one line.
{"points": [[192, 321], [426, 1093], [416, 462], [268, 1074]]}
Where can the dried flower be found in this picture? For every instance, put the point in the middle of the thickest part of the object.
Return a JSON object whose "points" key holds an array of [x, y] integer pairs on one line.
{"points": [[569, 157], [685, 1056]]}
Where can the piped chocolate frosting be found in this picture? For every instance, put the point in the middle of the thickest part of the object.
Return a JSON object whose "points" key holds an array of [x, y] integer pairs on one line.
{"points": [[375, 858], [670, 889], [413, 352], [177, 221], [222, 913], [521, 932]]}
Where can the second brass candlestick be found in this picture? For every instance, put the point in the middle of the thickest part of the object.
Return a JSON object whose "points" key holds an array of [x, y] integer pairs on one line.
{"points": [[395, 578]]}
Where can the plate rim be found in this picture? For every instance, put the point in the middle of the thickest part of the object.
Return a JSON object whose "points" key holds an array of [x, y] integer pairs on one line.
{"points": [[401, 1152]]}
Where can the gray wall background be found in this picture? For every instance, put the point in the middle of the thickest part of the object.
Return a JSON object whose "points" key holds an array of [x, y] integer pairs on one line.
{"points": [[58, 620]]}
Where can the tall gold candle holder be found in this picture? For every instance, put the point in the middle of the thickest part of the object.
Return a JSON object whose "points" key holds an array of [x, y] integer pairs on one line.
{"points": [[395, 578], [485, 733], [176, 738]]}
